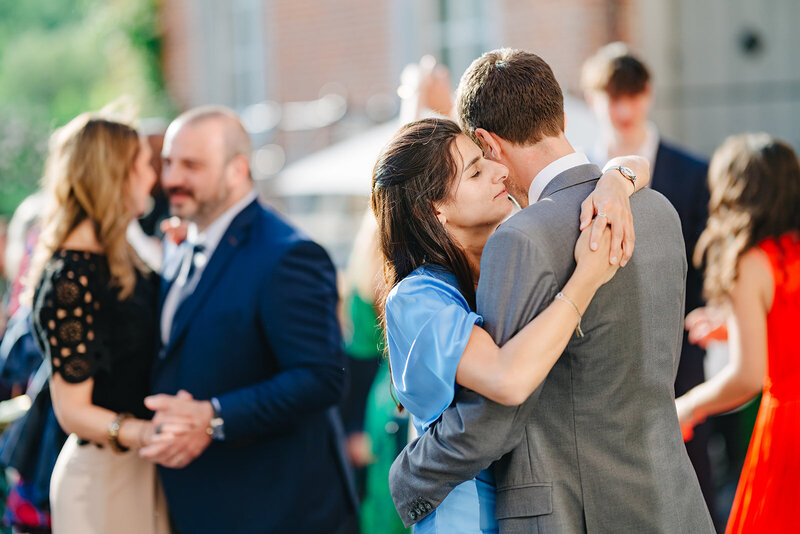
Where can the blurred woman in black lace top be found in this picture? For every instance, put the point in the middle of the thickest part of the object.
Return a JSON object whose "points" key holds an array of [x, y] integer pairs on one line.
{"points": [[95, 319]]}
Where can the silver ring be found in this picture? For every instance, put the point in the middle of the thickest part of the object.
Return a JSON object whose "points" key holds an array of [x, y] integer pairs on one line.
{"points": [[158, 429], [601, 214]]}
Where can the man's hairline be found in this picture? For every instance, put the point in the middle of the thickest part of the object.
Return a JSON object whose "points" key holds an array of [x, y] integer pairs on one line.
{"points": [[604, 90], [474, 136], [197, 120]]}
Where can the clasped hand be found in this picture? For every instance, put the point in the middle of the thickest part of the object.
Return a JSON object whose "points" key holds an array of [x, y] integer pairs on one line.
{"points": [[181, 429], [609, 205]]}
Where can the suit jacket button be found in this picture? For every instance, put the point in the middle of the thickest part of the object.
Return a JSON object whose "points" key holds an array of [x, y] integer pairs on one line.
{"points": [[428, 506], [412, 514]]}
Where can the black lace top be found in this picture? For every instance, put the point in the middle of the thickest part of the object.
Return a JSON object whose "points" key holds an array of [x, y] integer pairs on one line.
{"points": [[87, 332]]}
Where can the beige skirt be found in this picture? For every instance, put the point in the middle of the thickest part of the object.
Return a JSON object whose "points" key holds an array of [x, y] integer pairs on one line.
{"points": [[97, 491]]}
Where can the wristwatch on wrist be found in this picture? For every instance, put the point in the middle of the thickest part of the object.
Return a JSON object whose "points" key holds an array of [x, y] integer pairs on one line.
{"points": [[112, 435], [627, 173], [216, 427]]}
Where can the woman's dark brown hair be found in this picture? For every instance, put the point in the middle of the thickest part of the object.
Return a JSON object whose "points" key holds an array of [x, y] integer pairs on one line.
{"points": [[414, 171], [755, 194]]}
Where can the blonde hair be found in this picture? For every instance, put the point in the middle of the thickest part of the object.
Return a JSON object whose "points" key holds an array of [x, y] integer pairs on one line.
{"points": [[754, 181], [86, 177], [364, 274]]}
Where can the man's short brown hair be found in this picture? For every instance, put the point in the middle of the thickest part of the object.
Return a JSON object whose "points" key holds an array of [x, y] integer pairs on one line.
{"points": [[615, 71], [511, 93]]}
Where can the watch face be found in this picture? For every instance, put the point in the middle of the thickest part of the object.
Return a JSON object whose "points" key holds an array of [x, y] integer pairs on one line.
{"points": [[628, 172]]}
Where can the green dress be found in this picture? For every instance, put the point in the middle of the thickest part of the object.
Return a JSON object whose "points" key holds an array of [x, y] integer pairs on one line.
{"points": [[386, 427], [388, 431]]}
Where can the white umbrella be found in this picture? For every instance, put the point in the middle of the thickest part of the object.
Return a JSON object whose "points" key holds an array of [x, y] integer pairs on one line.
{"points": [[345, 168]]}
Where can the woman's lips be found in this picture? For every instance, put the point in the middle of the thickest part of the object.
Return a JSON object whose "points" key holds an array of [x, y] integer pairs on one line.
{"points": [[503, 192]]}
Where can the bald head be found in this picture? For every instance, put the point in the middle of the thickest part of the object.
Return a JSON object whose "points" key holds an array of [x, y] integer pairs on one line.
{"points": [[206, 159], [236, 138]]}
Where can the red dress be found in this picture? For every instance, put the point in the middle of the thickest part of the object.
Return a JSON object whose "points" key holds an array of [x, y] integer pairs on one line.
{"points": [[768, 497]]}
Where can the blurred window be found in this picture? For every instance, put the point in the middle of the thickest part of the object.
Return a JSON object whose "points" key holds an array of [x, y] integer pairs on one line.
{"points": [[465, 30], [248, 52]]}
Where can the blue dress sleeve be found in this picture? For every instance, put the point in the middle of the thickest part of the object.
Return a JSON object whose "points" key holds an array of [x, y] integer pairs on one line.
{"points": [[428, 325]]}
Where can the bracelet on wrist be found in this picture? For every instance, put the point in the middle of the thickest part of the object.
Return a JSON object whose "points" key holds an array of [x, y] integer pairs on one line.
{"points": [[562, 296], [112, 436]]}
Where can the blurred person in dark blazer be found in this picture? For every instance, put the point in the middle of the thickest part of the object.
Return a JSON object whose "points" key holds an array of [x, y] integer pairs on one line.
{"points": [[158, 209], [617, 87], [251, 353]]}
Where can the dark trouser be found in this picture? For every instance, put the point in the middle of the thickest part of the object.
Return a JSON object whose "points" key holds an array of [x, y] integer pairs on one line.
{"points": [[697, 449], [350, 526], [691, 373]]}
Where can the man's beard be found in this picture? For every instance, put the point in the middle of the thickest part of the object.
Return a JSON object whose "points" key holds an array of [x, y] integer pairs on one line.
{"points": [[204, 210], [519, 195]]}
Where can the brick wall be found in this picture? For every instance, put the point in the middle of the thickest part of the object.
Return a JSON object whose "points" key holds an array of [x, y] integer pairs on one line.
{"points": [[566, 32], [176, 58], [311, 43], [322, 41]]}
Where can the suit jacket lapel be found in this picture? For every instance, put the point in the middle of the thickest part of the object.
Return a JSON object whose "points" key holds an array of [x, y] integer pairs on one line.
{"points": [[234, 237], [172, 265], [572, 177]]}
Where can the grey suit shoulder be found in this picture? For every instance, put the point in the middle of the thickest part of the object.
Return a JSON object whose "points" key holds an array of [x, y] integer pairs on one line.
{"points": [[597, 447], [601, 439]]}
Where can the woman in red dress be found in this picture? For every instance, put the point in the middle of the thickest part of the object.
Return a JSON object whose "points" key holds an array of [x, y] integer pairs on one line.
{"points": [[751, 247]]}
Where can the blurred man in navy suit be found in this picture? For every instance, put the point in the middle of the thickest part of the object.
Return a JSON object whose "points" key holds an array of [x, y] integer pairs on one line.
{"points": [[617, 87], [250, 352]]}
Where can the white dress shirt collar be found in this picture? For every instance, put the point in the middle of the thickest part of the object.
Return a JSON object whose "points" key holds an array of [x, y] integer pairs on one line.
{"points": [[552, 170], [209, 239], [648, 149], [212, 235]]}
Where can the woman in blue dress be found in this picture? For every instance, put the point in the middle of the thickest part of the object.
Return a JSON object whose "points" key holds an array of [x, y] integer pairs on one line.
{"points": [[437, 200]]}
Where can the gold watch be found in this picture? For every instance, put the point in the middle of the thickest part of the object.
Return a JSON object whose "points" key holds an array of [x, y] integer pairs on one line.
{"points": [[113, 433]]}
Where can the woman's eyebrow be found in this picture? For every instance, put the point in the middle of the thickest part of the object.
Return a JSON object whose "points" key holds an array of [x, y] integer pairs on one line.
{"points": [[471, 163]]}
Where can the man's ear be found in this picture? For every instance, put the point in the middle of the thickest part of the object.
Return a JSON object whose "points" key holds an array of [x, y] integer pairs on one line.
{"points": [[490, 144], [240, 167]]}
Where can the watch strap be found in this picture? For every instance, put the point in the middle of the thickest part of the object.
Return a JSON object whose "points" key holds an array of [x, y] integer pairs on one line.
{"points": [[627, 173], [216, 427]]}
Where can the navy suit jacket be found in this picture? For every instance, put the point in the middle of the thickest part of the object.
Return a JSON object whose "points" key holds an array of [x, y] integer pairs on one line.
{"points": [[260, 333], [682, 178]]}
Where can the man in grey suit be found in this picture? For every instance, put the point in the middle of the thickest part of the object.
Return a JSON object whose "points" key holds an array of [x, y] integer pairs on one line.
{"points": [[597, 447]]}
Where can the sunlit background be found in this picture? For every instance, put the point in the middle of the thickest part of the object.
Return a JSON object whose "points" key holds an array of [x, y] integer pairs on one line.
{"points": [[321, 85], [316, 81]]}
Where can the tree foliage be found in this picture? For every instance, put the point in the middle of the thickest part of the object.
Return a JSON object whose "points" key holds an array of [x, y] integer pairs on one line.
{"points": [[59, 58]]}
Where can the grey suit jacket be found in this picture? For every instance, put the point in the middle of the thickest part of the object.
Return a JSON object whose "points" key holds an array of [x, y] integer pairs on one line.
{"points": [[597, 447]]}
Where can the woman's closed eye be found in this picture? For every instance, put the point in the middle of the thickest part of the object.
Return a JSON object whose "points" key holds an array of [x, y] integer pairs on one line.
{"points": [[477, 170]]}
